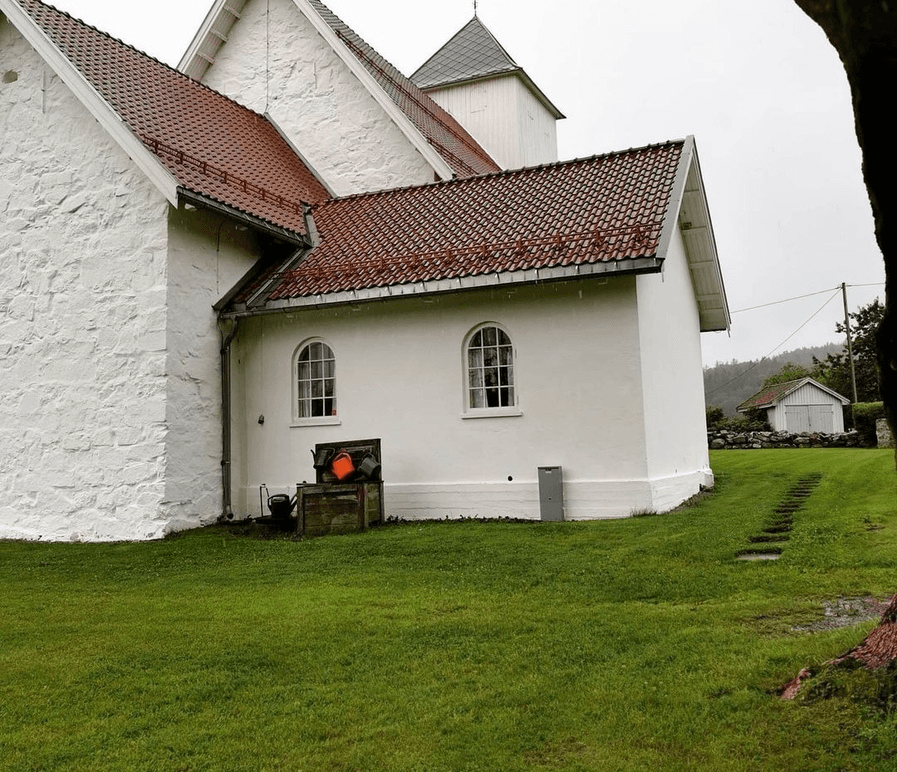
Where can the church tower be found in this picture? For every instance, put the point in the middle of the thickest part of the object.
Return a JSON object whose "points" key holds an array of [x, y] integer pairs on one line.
{"points": [[474, 79]]}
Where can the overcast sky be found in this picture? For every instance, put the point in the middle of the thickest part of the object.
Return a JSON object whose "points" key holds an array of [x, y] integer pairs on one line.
{"points": [[755, 81]]}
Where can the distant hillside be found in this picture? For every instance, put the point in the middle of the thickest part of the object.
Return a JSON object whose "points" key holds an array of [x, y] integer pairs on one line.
{"points": [[731, 383]]}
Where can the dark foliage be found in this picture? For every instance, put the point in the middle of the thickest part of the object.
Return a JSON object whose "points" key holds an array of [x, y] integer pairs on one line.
{"points": [[834, 370]]}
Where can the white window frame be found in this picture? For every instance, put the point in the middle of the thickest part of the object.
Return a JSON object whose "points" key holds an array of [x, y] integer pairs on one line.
{"points": [[498, 411], [321, 420]]}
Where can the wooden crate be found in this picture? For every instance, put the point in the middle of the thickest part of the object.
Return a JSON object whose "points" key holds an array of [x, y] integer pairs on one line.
{"points": [[339, 508]]}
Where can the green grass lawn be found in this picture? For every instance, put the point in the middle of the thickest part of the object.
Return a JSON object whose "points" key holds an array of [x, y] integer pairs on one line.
{"points": [[619, 645]]}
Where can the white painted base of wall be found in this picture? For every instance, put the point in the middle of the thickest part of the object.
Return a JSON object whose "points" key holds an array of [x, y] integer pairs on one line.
{"points": [[583, 499]]}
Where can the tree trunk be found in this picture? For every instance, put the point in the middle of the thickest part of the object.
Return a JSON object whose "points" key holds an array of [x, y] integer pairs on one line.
{"points": [[864, 33]]}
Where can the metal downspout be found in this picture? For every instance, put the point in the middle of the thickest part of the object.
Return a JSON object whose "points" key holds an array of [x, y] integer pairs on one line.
{"points": [[227, 337]]}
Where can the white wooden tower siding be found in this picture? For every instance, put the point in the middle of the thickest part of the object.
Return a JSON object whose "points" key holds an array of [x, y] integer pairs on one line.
{"points": [[476, 81]]}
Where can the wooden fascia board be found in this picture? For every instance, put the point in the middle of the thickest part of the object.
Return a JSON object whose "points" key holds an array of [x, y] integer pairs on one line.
{"points": [[201, 34], [418, 140], [688, 164], [820, 386], [187, 64], [93, 101]]}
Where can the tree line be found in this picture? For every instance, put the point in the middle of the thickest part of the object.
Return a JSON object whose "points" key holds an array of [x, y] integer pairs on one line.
{"points": [[728, 385]]}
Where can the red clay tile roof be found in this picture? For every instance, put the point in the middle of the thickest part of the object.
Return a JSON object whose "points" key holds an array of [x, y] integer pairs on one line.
{"points": [[601, 209], [210, 144], [451, 140], [767, 397]]}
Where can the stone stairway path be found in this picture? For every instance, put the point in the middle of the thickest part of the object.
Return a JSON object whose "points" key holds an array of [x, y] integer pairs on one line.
{"points": [[768, 544]]}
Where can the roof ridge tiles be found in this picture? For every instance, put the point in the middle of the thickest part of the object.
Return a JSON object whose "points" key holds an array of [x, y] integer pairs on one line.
{"points": [[501, 173]]}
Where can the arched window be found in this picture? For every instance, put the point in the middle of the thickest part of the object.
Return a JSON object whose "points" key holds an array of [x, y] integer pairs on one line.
{"points": [[315, 381], [490, 369]]}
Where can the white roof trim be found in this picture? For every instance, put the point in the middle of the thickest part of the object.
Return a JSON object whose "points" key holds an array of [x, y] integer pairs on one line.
{"points": [[797, 385], [459, 284], [402, 121], [98, 107], [439, 164], [690, 168]]}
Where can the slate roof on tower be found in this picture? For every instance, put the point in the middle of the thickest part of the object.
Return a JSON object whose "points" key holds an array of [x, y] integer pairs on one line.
{"points": [[211, 145], [458, 149], [473, 53]]}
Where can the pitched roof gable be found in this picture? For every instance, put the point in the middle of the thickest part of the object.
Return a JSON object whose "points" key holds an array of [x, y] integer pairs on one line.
{"points": [[209, 144], [473, 53], [605, 213], [454, 151], [777, 392]]}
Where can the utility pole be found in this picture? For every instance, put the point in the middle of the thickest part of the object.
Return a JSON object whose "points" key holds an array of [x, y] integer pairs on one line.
{"points": [[853, 375]]}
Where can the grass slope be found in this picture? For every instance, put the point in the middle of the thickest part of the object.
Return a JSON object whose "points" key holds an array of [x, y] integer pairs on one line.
{"points": [[617, 645]]}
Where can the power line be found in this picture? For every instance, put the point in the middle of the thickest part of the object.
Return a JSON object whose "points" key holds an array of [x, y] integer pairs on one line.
{"points": [[801, 297], [834, 294], [786, 300]]}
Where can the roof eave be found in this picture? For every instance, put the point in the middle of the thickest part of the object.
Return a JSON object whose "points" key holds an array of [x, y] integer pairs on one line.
{"points": [[218, 21], [92, 101], [688, 211], [195, 199], [631, 266]]}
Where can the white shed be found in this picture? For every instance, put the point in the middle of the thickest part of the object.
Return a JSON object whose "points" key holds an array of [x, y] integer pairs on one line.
{"points": [[798, 406]]}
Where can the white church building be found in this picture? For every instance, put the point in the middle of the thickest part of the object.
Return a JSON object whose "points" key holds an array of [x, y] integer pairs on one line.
{"points": [[207, 271]]}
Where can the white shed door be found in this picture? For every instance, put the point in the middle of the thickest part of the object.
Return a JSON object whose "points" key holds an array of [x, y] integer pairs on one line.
{"points": [[809, 418]]}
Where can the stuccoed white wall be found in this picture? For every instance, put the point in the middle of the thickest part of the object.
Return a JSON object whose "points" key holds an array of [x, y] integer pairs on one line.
{"points": [[331, 118], [505, 118], [83, 244], [672, 376], [207, 255], [400, 377]]}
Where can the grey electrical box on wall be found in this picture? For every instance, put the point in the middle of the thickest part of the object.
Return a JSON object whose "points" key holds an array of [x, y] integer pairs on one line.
{"points": [[551, 493]]}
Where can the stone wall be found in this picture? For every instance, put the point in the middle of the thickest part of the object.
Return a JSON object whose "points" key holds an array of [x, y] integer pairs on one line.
{"points": [[275, 62], [83, 245], [720, 439]]}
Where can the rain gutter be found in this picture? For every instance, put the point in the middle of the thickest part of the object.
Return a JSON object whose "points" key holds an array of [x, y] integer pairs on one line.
{"points": [[276, 231], [532, 276], [228, 329]]}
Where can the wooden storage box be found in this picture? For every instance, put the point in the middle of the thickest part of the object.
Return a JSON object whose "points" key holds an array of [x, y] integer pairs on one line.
{"points": [[339, 508]]}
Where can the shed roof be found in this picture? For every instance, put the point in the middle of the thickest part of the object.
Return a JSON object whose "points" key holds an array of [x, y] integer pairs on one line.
{"points": [[605, 213], [772, 395], [434, 126], [473, 53], [211, 145]]}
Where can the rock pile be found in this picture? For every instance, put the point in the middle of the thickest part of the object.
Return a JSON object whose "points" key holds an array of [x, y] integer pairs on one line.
{"points": [[721, 439]]}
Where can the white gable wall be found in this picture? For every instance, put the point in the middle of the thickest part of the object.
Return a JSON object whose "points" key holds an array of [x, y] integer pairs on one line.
{"points": [[110, 407], [82, 318], [325, 111], [400, 377], [672, 375], [504, 116]]}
